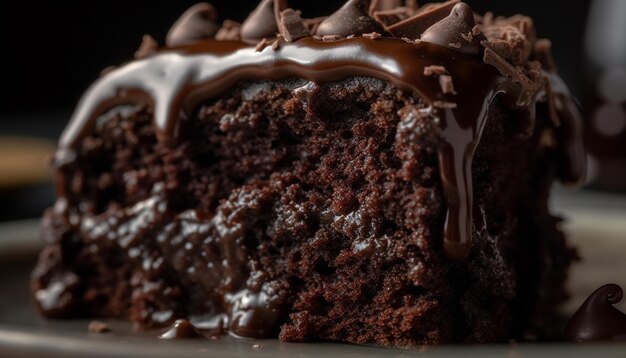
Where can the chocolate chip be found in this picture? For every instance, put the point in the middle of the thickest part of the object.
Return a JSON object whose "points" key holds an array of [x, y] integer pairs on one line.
{"points": [[260, 24], [148, 47], [427, 16], [352, 18], [199, 22], [434, 70], [291, 25], [230, 31], [448, 31]]}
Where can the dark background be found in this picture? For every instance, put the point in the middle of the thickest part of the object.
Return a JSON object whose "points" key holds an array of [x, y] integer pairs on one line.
{"points": [[53, 50]]}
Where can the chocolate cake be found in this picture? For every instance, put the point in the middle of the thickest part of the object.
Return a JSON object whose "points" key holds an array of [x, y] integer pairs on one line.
{"points": [[380, 175]]}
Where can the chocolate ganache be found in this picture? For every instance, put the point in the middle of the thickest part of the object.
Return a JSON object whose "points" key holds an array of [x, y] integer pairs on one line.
{"points": [[175, 80]]}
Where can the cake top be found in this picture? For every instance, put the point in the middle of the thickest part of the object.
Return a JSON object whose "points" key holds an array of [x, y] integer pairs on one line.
{"points": [[456, 61]]}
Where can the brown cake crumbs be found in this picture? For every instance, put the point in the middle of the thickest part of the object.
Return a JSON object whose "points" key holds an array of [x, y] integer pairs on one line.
{"points": [[98, 327]]}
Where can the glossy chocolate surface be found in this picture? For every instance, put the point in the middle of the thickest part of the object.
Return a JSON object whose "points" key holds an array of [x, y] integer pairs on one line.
{"points": [[597, 320]]}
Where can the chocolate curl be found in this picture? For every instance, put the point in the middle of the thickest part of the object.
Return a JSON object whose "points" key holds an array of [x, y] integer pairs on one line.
{"points": [[261, 23], [198, 23], [351, 19]]}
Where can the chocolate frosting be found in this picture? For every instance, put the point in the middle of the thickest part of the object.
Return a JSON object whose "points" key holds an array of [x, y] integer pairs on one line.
{"points": [[176, 80], [597, 320]]}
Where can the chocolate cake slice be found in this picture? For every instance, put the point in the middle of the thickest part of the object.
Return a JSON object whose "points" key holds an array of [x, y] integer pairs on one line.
{"points": [[379, 176]]}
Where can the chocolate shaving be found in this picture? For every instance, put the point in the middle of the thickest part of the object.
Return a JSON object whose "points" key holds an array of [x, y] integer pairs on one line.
{"points": [[382, 5], [448, 32], [352, 18], [148, 47], [199, 22], [230, 31], [313, 24], [444, 105], [511, 38], [515, 74], [276, 44], [469, 37], [260, 24], [372, 35], [446, 84], [390, 17], [98, 327], [332, 38], [434, 70], [262, 45], [291, 25], [426, 17]]}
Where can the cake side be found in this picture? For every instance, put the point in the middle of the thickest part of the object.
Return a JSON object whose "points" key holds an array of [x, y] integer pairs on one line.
{"points": [[330, 218]]}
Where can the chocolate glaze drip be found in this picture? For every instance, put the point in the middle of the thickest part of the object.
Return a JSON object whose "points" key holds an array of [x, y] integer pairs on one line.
{"points": [[176, 80], [181, 329], [597, 320]]}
